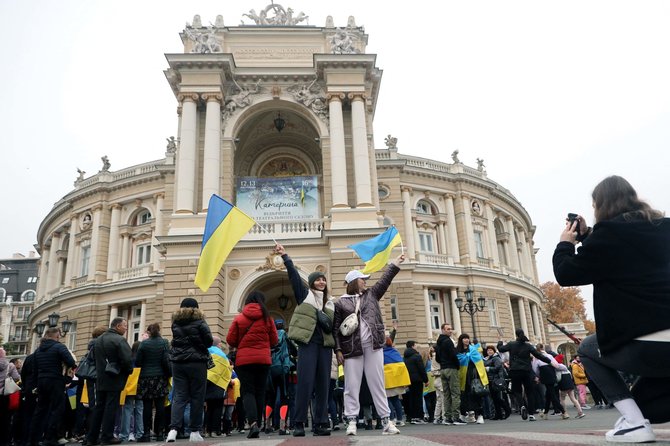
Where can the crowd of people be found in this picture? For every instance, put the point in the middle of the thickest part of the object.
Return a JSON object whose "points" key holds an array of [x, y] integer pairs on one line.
{"points": [[336, 364]]}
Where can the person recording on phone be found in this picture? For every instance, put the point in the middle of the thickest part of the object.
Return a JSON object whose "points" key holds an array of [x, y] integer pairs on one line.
{"points": [[626, 256]]}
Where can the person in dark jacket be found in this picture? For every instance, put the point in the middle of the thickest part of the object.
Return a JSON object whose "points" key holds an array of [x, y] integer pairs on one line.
{"points": [[50, 358], [152, 386], [626, 256], [496, 372], [521, 371], [191, 337], [315, 345], [362, 350], [7, 370], [445, 354], [28, 399], [111, 351], [417, 377], [83, 414], [253, 334], [214, 395]]}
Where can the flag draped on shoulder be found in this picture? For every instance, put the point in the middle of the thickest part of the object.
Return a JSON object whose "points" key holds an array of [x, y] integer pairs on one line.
{"points": [[224, 227], [395, 370], [222, 371], [376, 251]]}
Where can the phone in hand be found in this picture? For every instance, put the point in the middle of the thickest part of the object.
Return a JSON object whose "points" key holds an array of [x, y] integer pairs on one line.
{"points": [[572, 218]]}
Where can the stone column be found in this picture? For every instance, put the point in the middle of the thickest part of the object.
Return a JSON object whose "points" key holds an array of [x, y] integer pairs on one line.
{"points": [[338, 159], [442, 237], [113, 253], [456, 313], [211, 166], [61, 266], [426, 304], [143, 318], [522, 314], [95, 242], [186, 155], [42, 282], [158, 229], [493, 247], [124, 250], [113, 312], [469, 232], [512, 252], [53, 262], [511, 314], [454, 251], [408, 236], [361, 153], [71, 248], [537, 328]]}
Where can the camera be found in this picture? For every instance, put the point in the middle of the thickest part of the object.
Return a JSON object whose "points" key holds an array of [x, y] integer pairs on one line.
{"points": [[572, 218]]}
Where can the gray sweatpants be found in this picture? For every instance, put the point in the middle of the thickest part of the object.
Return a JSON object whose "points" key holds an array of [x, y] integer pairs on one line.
{"points": [[372, 363]]}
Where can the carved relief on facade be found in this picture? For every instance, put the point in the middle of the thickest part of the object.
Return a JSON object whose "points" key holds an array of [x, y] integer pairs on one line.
{"points": [[312, 96], [283, 167], [273, 262]]}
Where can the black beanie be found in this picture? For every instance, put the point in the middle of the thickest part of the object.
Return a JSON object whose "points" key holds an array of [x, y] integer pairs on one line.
{"points": [[189, 302], [313, 276]]}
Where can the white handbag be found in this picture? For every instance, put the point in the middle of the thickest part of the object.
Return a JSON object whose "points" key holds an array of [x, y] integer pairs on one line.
{"points": [[350, 323], [10, 386]]}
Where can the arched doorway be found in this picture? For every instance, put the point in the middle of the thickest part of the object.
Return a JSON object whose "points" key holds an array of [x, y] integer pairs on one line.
{"points": [[279, 298]]}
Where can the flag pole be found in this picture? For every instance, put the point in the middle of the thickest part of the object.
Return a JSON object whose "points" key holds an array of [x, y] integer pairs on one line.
{"points": [[266, 231], [402, 246]]}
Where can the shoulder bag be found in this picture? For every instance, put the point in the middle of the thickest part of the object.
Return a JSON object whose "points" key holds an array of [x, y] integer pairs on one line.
{"points": [[10, 386], [350, 323]]}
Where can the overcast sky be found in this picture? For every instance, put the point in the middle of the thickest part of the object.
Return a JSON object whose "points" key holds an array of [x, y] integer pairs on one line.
{"points": [[554, 96]]}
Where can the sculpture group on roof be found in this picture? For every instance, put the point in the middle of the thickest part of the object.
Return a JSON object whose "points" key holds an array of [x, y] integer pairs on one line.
{"points": [[281, 17], [204, 42]]}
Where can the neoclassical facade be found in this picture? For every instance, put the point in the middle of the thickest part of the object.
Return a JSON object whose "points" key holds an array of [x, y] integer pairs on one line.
{"points": [[277, 117]]}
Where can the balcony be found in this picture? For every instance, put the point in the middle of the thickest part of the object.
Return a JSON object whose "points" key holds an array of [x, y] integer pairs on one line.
{"points": [[285, 230], [430, 258], [133, 272]]}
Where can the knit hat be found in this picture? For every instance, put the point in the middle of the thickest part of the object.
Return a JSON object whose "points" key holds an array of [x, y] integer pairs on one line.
{"points": [[313, 276], [189, 302]]}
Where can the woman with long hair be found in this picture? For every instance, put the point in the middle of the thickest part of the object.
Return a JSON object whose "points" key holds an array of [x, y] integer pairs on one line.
{"points": [[253, 334], [471, 368], [547, 376], [152, 386], [311, 328], [626, 256], [362, 349]]}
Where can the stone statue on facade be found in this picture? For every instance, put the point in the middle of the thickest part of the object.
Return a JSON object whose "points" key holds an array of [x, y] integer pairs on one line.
{"points": [[329, 22], [342, 42], [171, 145], [351, 22], [312, 97], [480, 165], [80, 177], [281, 17], [454, 156], [219, 21], [239, 100], [197, 23], [391, 142], [204, 42], [105, 164]]}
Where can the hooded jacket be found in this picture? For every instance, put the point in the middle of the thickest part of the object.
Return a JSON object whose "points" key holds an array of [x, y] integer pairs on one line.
{"points": [[49, 359], [191, 336], [253, 336], [351, 346], [445, 353], [415, 366], [519, 354], [628, 263]]}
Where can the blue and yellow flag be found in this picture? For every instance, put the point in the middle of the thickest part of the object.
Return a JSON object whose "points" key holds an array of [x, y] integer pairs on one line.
{"points": [[376, 251], [72, 397], [222, 371], [224, 227]]}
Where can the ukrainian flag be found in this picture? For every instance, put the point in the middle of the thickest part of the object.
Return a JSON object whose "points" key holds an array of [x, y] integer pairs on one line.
{"points": [[376, 251], [224, 227], [222, 371], [72, 397], [395, 370]]}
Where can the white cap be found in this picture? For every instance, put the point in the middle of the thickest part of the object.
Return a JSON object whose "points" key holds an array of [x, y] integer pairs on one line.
{"points": [[355, 274]]}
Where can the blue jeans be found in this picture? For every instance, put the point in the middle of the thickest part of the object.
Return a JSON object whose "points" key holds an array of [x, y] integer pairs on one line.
{"points": [[133, 409], [396, 407]]}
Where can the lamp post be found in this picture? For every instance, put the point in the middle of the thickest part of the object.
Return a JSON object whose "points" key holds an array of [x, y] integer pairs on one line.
{"points": [[471, 307], [39, 328]]}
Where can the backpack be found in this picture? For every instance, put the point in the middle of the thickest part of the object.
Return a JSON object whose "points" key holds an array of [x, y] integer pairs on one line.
{"points": [[281, 364]]}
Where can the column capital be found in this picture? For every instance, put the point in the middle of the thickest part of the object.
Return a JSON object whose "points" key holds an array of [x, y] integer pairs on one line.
{"points": [[115, 206], [96, 208], [159, 195], [406, 189], [357, 96], [449, 196], [335, 97], [183, 97], [465, 196], [213, 97], [74, 216]]}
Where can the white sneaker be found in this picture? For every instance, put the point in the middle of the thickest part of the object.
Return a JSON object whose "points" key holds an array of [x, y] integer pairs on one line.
{"points": [[625, 432], [470, 418], [480, 420], [131, 437], [531, 417], [351, 427], [171, 436], [586, 407], [195, 436], [389, 427]]}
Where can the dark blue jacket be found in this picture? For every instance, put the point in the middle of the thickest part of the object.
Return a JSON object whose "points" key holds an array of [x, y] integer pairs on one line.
{"points": [[50, 357]]}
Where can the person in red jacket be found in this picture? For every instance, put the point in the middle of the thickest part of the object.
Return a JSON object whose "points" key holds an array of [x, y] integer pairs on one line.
{"points": [[253, 334]]}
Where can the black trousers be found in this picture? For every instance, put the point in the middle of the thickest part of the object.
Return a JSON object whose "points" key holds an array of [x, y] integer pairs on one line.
{"points": [[314, 362], [189, 381], [159, 419], [213, 415], [253, 379], [522, 378], [49, 412], [415, 401], [104, 414]]}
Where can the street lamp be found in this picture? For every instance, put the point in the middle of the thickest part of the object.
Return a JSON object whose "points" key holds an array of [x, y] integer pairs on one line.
{"points": [[66, 325], [53, 319], [39, 328], [471, 307]]}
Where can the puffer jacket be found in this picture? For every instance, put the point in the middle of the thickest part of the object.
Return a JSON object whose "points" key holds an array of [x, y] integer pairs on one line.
{"points": [[578, 373], [351, 346], [50, 357], [494, 367], [252, 336], [415, 366], [191, 336], [149, 357]]}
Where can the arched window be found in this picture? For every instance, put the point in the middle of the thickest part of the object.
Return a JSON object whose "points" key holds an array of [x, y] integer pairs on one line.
{"points": [[425, 207], [142, 218], [3, 294], [28, 296]]}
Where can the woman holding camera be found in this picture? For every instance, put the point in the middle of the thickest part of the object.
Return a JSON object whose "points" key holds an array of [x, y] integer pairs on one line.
{"points": [[626, 256]]}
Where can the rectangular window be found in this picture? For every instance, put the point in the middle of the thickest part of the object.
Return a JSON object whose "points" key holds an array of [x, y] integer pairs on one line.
{"points": [[5, 280], [435, 317], [143, 254], [136, 331], [85, 257], [493, 313], [479, 244], [426, 242], [72, 336], [19, 313], [394, 308]]}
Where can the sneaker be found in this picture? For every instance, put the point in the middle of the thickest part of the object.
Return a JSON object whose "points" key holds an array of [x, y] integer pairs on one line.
{"points": [[321, 431], [480, 420], [565, 416], [195, 436], [299, 430], [624, 432], [437, 421], [254, 431], [471, 418], [524, 413], [531, 417], [580, 415], [447, 422], [400, 423], [586, 407], [63, 441], [458, 422], [389, 427], [351, 427], [131, 437], [171, 436]]}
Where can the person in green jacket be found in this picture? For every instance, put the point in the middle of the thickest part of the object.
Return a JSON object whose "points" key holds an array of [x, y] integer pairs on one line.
{"points": [[311, 328]]}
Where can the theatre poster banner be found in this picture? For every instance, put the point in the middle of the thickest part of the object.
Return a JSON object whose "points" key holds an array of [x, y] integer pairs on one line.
{"points": [[294, 198]]}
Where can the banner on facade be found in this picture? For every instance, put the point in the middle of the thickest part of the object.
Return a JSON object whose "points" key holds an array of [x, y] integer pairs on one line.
{"points": [[279, 198]]}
